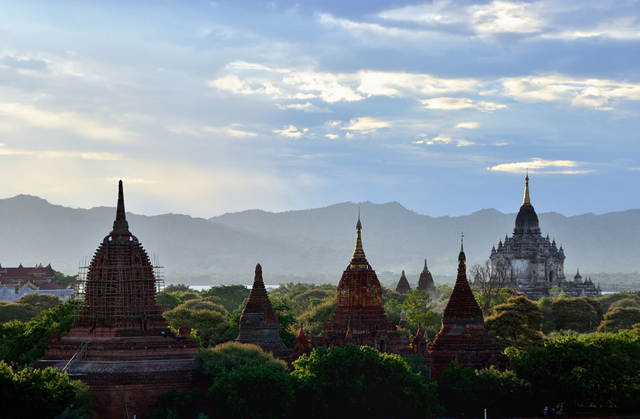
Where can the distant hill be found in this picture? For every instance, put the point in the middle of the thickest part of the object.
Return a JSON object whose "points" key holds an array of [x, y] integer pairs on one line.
{"points": [[317, 240]]}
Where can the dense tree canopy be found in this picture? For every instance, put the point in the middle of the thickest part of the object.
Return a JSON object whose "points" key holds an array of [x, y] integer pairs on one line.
{"points": [[517, 323], [619, 318]]}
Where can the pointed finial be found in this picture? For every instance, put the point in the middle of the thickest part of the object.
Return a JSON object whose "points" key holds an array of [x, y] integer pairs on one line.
{"points": [[526, 200], [425, 263], [258, 276], [359, 260], [120, 225], [461, 258]]}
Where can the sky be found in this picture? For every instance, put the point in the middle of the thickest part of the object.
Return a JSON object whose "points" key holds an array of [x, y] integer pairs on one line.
{"points": [[204, 108]]}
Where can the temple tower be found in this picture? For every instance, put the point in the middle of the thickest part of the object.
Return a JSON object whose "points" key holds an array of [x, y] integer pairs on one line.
{"points": [[120, 344], [425, 282], [462, 337], [359, 318], [403, 285], [259, 322]]}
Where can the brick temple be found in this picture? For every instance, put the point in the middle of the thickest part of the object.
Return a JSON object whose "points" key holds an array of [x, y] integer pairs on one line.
{"points": [[259, 322], [359, 318], [120, 344], [462, 338]]}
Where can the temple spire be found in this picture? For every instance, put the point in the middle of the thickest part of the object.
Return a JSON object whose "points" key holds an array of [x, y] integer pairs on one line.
{"points": [[462, 258], [359, 260], [526, 200], [120, 225]]}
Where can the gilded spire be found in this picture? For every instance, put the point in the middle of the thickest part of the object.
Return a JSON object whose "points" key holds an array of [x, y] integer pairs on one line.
{"points": [[359, 260], [526, 200], [120, 225]]}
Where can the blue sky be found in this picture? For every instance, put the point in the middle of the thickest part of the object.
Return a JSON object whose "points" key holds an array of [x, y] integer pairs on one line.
{"points": [[211, 107]]}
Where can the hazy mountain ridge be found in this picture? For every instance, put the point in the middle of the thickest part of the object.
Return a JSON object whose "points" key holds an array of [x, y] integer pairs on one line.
{"points": [[315, 240]]}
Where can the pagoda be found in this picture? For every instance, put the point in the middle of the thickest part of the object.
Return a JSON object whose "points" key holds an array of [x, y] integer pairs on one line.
{"points": [[359, 318], [259, 322], [403, 285], [462, 338], [120, 344], [425, 282]]}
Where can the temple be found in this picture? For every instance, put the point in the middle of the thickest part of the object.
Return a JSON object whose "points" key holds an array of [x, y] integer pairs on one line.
{"points": [[120, 344], [462, 338], [425, 282], [16, 282], [530, 263], [259, 322], [403, 285], [359, 318]]}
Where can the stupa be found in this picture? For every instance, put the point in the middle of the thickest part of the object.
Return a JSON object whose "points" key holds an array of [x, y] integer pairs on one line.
{"points": [[403, 284], [462, 338], [425, 282], [120, 344], [259, 322], [359, 318]]}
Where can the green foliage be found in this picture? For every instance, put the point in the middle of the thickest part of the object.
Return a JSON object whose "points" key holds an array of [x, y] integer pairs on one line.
{"points": [[18, 312], [517, 323], [609, 299], [33, 393], [317, 316], [287, 320], [588, 371], [231, 355], [573, 313], [358, 381], [176, 288], [253, 392], [302, 297], [497, 297], [39, 302], [465, 392], [175, 404], [202, 316], [230, 296], [619, 318], [625, 303], [167, 301], [66, 281], [418, 306], [22, 344]]}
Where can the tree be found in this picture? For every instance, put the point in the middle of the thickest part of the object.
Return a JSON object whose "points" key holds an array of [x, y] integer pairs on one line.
{"points": [[177, 288], [286, 319], [573, 313], [66, 281], [175, 404], [253, 392], [39, 302], [202, 316], [167, 301], [358, 381], [489, 283], [314, 319], [18, 312], [591, 370], [620, 318], [230, 296], [517, 323], [228, 356], [419, 308]]}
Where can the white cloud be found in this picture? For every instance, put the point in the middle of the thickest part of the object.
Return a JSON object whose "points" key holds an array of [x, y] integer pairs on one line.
{"points": [[54, 154], [467, 125], [443, 139], [308, 107], [455, 103], [366, 125], [541, 166], [290, 131], [402, 84], [230, 130], [332, 136], [233, 84], [328, 86], [504, 16], [69, 121]]}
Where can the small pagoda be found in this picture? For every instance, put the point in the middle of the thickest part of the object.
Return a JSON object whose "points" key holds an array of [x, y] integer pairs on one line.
{"points": [[359, 318], [403, 285], [120, 344], [425, 282], [259, 322], [462, 338]]}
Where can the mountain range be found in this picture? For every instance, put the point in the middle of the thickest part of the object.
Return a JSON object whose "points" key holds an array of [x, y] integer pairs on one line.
{"points": [[307, 241]]}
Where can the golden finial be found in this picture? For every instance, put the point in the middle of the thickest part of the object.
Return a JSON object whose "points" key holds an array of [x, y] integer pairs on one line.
{"points": [[526, 200], [359, 260]]}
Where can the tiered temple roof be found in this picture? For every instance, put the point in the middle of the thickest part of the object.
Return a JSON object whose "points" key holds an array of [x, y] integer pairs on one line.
{"points": [[403, 285], [120, 344], [259, 322], [425, 282], [359, 318], [462, 338]]}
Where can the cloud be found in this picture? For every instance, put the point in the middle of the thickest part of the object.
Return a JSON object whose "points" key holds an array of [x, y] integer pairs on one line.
{"points": [[233, 84], [332, 136], [69, 121], [307, 107], [467, 125], [442, 139], [230, 130], [402, 84], [455, 103], [541, 166], [53, 154], [366, 125], [290, 131], [326, 85], [506, 17]]}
